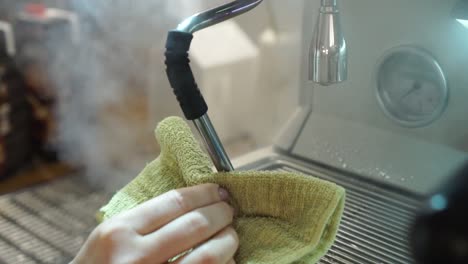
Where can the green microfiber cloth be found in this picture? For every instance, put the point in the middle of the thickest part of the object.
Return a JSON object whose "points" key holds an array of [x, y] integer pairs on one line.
{"points": [[282, 217]]}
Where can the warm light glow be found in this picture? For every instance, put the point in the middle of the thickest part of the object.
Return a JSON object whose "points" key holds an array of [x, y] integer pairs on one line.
{"points": [[268, 36], [463, 22]]}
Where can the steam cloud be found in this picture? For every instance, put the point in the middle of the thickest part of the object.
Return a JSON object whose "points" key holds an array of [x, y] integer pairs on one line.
{"points": [[110, 85]]}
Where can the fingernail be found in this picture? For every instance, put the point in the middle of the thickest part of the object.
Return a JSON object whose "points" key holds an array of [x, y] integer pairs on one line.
{"points": [[223, 194]]}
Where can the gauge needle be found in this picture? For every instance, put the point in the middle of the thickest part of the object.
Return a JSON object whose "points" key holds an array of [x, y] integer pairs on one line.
{"points": [[416, 86]]}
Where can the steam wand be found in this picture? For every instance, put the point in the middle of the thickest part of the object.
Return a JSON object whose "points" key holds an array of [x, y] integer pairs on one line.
{"points": [[183, 82]]}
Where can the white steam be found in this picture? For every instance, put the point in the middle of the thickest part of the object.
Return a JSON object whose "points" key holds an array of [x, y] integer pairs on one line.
{"points": [[112, 88]]}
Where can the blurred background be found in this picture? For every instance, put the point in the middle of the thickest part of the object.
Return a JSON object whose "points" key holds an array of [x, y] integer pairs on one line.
{"points": [[84, 84]]}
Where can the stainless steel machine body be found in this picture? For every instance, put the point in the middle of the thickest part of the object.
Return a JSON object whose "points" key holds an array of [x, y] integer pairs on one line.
{"points": [[387, 167]]}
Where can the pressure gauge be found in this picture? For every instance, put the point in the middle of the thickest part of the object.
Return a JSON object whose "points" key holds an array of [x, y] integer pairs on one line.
{"points": [[411, 86]]}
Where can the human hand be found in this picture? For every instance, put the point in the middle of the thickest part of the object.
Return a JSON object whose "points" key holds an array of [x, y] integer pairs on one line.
{"points": [[166, 226]]}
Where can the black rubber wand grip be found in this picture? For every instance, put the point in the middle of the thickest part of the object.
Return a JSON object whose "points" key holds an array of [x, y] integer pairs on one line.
{"points": [[181, 77]]}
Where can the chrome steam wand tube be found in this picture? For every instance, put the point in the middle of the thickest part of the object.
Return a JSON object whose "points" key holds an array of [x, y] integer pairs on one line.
{"points": [[182, 80]]}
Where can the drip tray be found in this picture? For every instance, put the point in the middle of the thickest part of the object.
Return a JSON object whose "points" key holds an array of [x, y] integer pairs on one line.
{"points": [[49, 223], [375, 223]]}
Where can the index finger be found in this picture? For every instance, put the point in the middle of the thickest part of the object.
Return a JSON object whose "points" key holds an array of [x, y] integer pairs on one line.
{"points": [[157, 212]]}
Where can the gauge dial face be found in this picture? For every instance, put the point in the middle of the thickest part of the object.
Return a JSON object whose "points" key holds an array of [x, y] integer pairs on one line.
{"points": [[411, 87]]}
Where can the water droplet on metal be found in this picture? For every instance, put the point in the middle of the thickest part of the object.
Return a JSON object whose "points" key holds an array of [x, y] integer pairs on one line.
{"points": [[354, 246]]}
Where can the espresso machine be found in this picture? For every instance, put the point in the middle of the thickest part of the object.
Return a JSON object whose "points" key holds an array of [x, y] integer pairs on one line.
{"points": [[370, 119], [382, 112]]}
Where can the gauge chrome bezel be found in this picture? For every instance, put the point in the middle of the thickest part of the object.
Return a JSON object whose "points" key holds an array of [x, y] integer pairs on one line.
{"points": [[391, 109]]}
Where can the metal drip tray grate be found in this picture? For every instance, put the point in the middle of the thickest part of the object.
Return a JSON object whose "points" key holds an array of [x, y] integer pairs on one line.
{"points": [[374, 227], [48, 224]]}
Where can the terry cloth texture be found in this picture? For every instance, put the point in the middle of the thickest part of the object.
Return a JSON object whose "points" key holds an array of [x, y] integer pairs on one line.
{"points": [[281, 217]]}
